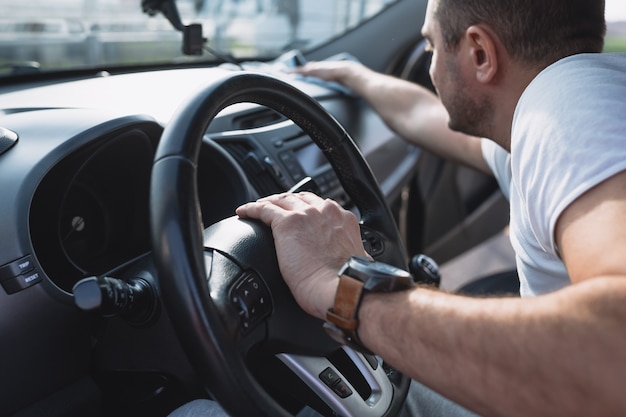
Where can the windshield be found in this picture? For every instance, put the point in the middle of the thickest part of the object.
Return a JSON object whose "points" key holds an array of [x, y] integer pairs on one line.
{"points": [[46, 35]]}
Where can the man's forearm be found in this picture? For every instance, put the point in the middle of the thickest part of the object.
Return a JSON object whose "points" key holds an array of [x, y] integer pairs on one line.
{"points": [[509, 356], [414, 113], [397, 101]]}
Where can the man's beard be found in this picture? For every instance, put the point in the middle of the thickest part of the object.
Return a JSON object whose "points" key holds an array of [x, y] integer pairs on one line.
{"points": [[468, 111], [470, 115]]}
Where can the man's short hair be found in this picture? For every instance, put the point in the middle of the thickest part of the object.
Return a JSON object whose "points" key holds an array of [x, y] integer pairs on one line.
{"points": [[536, 32]]}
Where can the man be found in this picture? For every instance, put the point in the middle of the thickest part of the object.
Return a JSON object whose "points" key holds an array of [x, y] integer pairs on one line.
{"points": [[515, 72], [518, 73]]}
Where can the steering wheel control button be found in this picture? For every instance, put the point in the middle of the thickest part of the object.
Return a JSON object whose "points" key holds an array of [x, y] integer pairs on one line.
{"points": [[329, 377], [332, 380], [371, 359], [372, 243], [251, 297], [342, 390]]}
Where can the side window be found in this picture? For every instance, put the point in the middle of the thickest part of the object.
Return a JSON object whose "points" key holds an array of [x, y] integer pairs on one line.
{"points": [[616, 26]]}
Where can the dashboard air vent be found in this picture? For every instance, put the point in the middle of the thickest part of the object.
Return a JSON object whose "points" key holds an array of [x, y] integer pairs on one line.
{"points": [[251, 161], [259, 119], [8, 138]]}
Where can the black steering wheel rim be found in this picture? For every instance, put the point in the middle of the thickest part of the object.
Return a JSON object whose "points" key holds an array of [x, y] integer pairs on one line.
{"points": [[177, 230]]}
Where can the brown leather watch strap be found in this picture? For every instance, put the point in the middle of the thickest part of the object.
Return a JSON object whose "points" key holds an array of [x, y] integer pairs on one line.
{"points": [[344, 313]]}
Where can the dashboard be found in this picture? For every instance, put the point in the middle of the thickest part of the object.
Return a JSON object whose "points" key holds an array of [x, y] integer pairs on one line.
{"points": [[75, 203], [88, 211]]}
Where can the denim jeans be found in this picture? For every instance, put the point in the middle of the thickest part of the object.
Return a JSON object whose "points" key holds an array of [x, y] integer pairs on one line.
{"points": [[420, 402]]}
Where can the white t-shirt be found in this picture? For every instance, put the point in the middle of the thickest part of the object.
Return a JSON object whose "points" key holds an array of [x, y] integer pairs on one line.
{"points": [[568, 135]]}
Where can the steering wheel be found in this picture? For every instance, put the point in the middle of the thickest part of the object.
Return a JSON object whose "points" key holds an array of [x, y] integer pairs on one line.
{"points": [[222, 288]]}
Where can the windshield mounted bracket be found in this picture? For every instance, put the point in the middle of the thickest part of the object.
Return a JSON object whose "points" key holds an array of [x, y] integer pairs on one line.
{"points": [[193, 41]]}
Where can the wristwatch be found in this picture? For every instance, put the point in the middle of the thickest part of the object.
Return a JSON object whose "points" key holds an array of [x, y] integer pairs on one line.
{"points": [[356, 277]]}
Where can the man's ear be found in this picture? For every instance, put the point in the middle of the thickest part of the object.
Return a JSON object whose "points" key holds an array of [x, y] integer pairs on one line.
{"points": [[483, 52]]}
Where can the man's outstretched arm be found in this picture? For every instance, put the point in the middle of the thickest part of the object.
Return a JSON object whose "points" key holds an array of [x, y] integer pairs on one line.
{"points": [[557, 354], [412, 111]]}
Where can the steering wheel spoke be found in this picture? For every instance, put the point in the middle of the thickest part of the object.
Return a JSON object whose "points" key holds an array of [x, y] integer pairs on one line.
{"points": [[356, 387]]}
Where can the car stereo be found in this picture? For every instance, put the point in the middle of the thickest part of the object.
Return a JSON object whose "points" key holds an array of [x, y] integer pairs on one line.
{"points": [[304, 159]]}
